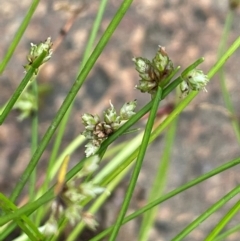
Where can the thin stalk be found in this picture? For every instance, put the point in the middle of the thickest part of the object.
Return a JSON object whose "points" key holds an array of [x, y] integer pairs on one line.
{"points": [[99, 202], [93, 33], [229, 105], [34, 142], [21, 87], [24, 222], [27, 209], [159, 183], [225, 92], [6, 230], [146, 108], [70, 98], [49, 195], [224, 221], [110, 153], [56, 146], [85, 56], [138, 165], [226, 31], [63, 123], [116, 162], [18, 35], [224, 58], [192, 95], [52, 162], [88, 48], [172, 115], [138, 116], [206, 214], [226, 234], [171, 194]]}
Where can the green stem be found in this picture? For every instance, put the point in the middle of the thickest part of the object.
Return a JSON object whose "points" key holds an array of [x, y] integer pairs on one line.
{"points": [[146, 108], [52, 162], [29, 208], [85, 56], [224, 58], [66, 117], [98, 203], [159, 183], [225, 92], [70, 98], [94, 31], [138, 116], [206, 214], [170, 118], [18, 35], [34, 142], [171, 194], [233, 211], [191, 67], [116, 163], [138, 164], [226, 30], [7, 231], [182, 105], [21, 87], [56, 146], [226, 234], [192, 95], [49, 195], [23, 222]]}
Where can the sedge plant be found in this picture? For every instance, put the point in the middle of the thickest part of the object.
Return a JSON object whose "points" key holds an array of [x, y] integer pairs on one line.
{"points": [[80, 192]]}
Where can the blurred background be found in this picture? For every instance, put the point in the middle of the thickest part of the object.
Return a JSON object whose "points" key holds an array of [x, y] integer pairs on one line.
{"points": [[205, 138]]}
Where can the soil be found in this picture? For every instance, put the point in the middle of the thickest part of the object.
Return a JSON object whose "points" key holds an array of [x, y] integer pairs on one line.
{"points": [[205, 138]]}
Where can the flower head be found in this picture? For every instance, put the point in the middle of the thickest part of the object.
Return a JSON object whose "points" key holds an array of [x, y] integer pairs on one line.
{"points": [[68, 202], [97, 131], [127, 110], [110, 114], [90, 121], [143, 67], [91, 149], [51, 227], [194, 80], [90, 189], [37, 50], [184, 88], [89, 220], [73, 213], [197, 80], [153, 73]]}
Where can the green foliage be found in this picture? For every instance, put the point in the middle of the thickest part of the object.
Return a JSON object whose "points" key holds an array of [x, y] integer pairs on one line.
{"points": [[71, 202]]}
